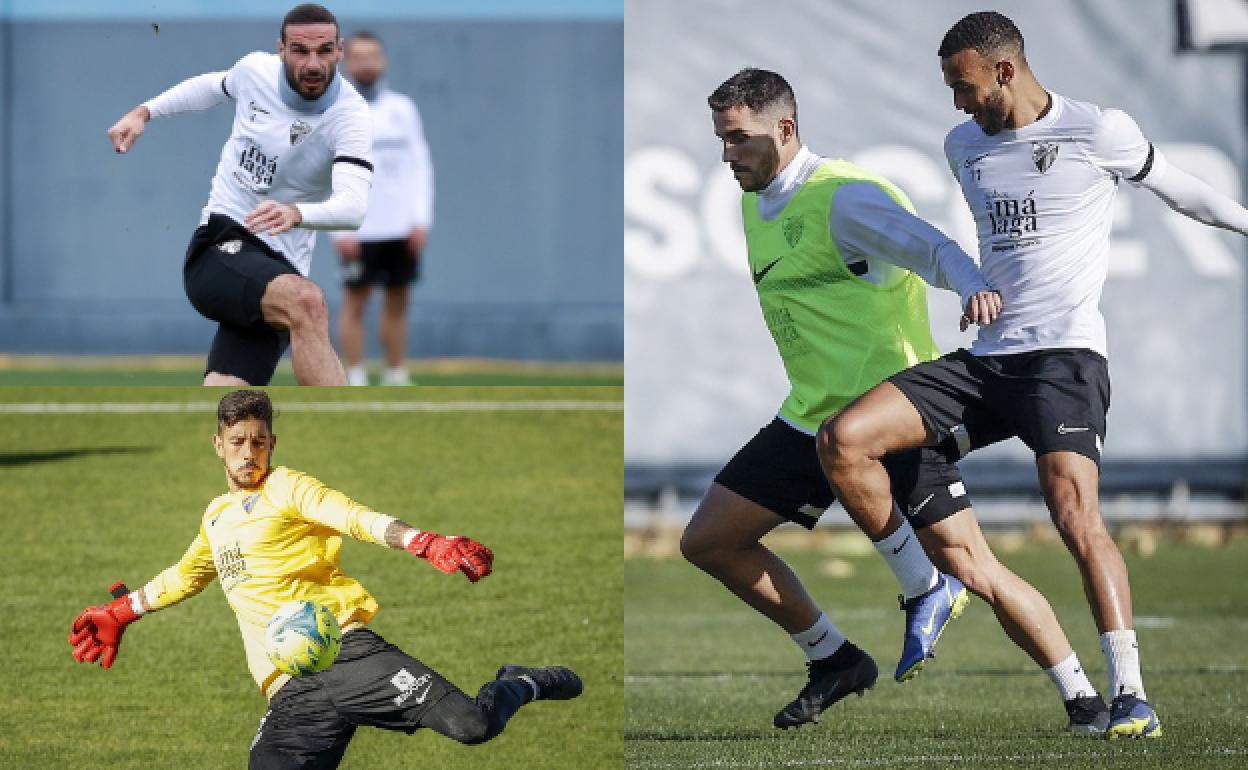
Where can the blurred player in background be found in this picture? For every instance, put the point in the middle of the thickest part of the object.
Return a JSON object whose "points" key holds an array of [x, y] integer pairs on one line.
{"points": [[298, 160], [1039, 172], [275, 537], [387, 248], [838, 259]]}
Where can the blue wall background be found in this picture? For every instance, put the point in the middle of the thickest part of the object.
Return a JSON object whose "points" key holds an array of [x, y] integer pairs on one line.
{"points": [[524, 118]]}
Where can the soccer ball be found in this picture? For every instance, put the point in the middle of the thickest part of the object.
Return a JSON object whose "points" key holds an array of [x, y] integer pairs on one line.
{"points": [[302, 638]]}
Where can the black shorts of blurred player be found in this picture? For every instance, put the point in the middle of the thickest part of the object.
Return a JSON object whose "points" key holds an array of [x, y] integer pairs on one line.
{"points": [[779, 470], [394, 265], [226, 272], [373, 683], [387, 263]]}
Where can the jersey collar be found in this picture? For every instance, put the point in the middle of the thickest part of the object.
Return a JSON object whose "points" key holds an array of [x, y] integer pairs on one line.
{"points": [[316, 106]]}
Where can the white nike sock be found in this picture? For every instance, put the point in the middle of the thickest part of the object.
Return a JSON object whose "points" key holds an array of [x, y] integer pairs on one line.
{"points": [[1122, 654], [820, 640], [909, 563], [1070, 679]]}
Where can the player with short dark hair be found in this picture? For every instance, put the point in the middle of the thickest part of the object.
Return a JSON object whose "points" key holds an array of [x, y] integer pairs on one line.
{"points": [[836, 254], [1039, 172], [275, 537], [299, 159], [386, 250]]}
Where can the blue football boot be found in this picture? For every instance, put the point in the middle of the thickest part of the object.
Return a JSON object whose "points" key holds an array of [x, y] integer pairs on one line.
{"points": [[926, 618], [1131, 717]]}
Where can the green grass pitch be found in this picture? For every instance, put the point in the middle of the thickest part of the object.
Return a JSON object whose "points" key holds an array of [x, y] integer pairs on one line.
{"points": [[90, 498], [704, 674]]}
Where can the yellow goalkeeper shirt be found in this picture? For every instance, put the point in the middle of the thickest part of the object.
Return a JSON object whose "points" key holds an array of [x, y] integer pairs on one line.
{"points": [[269, 546]]}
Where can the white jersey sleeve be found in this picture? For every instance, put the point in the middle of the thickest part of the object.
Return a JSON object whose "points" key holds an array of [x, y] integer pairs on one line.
{"points": [[866, 223], [191, 95], [422, 198], [1119, 147]]}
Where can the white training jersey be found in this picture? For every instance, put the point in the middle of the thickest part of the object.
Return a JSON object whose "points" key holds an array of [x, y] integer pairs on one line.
{"points": [[284, 147], [402, 194], [1043, 197]]}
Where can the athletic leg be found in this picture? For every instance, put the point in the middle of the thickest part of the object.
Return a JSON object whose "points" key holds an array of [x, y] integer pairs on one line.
{"points": [[1069, 481], [393, 326], [851, 446], [351, 326], [778, 471], [296, 304], [723, 540]]}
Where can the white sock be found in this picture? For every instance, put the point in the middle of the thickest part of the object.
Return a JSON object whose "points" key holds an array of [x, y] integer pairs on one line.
{"points": [[396, 375], [357, 375], [1070, 679], [820, 640], [1122, 654], [909, 563]]}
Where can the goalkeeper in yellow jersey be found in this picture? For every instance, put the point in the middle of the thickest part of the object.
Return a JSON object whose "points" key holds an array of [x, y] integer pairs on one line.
{"points": [[274, 538]]}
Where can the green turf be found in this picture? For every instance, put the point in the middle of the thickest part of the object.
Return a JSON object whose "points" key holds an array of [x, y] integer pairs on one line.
{"points": [[704, 674], [90, 498], [193, 375]]}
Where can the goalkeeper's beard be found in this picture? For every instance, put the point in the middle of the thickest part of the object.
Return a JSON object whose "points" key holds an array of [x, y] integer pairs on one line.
{"points": [[243, 477]]}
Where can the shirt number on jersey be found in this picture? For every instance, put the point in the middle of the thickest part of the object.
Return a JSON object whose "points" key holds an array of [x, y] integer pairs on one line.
{"points": [[259, 167]]}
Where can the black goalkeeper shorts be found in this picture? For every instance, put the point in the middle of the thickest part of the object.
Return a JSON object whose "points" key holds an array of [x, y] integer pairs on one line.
{"points": [[312, 718], [226, 272], [779, 470]]}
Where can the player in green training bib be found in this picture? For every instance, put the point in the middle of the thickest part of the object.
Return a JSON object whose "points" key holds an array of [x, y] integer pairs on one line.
{"points": [[839, 260]]}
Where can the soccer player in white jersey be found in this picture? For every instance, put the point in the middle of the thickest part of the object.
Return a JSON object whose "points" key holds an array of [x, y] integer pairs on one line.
{"points": [[387, 248], [298, 160], [275, 536], [836, 255], [1039, 172]]}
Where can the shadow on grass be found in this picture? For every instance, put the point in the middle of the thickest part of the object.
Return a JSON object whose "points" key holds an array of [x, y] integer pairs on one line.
{"points": [[15, 459]]}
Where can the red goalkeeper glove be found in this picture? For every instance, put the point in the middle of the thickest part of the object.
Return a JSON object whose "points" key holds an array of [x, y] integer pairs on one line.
{"points": [[453, 554], [96, 633]]}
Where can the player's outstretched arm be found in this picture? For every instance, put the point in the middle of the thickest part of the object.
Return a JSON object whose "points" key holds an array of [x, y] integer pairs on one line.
{"points": [[192, 94], [96, 632], [449, 554], [1194, 198]]}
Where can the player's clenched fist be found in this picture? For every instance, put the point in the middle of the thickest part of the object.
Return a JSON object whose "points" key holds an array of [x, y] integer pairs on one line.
{"points": [[126, 131], [96, 632], [453, 554]]}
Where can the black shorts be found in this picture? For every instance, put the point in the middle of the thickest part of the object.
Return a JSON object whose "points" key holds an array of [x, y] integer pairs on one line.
{"points": [[226, 272], [382, 263], [1054, 400], [779, 469], [312, 718]]}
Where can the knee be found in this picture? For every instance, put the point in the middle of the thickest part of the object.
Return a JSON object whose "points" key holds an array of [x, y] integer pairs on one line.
{"points": [[698, 547], [468, 726], [842, 441], [304, 302]]}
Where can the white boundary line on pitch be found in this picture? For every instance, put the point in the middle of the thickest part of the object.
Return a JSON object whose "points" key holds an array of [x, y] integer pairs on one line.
{"points": [[991, 759], [177, 407]]}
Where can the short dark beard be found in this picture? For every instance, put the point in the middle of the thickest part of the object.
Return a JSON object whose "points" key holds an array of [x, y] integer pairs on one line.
{"points": [[994, 113], [768, 167], [293, 82]]}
